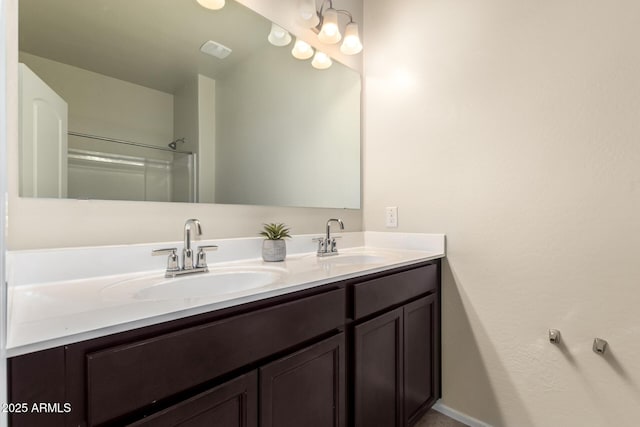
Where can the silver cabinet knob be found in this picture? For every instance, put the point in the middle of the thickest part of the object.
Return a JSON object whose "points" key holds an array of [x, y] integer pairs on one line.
{"points": [[554, 336]]}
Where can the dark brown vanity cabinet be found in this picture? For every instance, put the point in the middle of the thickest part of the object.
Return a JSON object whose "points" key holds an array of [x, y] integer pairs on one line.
{"points": [[121, 379], [306, 388], [421, 326], [232, 404], [396, 353], [378, 371], [360, 351]]}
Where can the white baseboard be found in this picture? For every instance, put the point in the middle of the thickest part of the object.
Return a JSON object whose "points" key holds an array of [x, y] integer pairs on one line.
{"points": [[459, 416]]}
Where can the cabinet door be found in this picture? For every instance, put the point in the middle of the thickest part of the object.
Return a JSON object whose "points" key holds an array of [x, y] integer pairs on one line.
{"points": [[232, 404], [421, 364], [35, 379], [306, 388], [378, 371]]}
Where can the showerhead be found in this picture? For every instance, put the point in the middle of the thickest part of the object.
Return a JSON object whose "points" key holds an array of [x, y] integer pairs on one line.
{"points": [[174, 144]]}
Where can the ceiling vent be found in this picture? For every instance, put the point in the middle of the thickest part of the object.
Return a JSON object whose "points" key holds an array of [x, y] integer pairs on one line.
{"points": [[215, 49]]}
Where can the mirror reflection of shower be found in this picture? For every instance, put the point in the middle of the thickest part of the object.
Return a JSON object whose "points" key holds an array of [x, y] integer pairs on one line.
{"points": [[174, 144], [102, 167]]}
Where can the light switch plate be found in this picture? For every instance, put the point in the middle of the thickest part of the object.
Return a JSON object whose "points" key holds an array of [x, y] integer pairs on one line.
{"points": [[391, 216]]}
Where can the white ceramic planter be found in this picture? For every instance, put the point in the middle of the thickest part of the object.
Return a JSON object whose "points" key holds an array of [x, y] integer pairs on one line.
{"points": [[274, 250]]}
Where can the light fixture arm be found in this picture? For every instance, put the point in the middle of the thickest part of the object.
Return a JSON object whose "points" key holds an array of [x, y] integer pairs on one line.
{"points": [[327, 26], [321, 13], [322, 6], [346, 12]]}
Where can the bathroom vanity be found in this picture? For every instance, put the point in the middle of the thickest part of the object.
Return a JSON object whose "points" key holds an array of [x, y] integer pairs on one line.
{"points": [[361, 350]]}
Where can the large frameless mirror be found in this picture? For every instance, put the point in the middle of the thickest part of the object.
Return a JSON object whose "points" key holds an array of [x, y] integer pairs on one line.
{"points": [[119, 102]]}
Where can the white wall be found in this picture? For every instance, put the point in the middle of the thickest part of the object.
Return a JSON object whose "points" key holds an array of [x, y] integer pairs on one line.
{"points": [[207, 139], [185, 125], [105, 106], [513, 127], [112, 108], [195, 119], [303, 125], [38, 223]]}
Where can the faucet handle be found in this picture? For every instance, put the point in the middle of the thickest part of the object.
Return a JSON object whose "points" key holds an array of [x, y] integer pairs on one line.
{"points": [[321, 243], [202, 256], [172, 261]]}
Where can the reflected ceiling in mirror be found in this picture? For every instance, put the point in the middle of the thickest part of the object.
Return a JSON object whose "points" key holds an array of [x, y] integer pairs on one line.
{"points": [[133, 110]]}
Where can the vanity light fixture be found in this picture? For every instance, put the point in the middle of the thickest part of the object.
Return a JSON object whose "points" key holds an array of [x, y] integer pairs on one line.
{"points": [[351, 43], [302, 50], [329, 31], [327, 26], [279, 36], [212, 4], [308, 13], [321, 61]]}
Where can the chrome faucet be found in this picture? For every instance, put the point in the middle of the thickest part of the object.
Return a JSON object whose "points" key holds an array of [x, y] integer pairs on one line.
{"points": [[187, 252], [327, 246], [173, 266]]}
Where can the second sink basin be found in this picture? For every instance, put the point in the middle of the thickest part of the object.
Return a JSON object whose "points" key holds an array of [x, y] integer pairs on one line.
{"points": [[216, 283]]}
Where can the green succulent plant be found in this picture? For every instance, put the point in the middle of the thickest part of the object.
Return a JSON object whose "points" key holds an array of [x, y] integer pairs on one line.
{"points": [[273, 231]]}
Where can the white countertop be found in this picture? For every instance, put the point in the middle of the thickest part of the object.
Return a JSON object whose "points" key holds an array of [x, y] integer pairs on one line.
{"points": [[44, 314]]}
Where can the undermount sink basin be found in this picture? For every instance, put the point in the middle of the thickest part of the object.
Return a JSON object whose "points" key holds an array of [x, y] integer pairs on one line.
{"points": [[215, 283]]}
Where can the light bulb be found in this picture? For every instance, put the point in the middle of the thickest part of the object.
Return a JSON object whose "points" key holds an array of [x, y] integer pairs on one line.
{"points": [[279, 36], [330, 33], [212, 4], [321, 61], [302, 50], [308, 15], [351, 43]]}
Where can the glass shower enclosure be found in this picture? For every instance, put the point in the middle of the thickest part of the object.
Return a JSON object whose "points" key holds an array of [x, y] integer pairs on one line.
{"points": [[113, 169]]}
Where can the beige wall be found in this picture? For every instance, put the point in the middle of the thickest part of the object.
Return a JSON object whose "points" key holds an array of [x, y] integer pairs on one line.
{"points": [[303, 120], [514, 128], [185, 125], [37, 223], [206, 139]]}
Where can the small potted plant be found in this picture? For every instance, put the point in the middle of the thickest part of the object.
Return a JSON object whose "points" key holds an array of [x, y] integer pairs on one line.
{"points": [[274, 247]]}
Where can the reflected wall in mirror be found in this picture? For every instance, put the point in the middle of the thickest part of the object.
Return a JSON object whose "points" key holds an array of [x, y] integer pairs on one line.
{"points": [[118, 102]]}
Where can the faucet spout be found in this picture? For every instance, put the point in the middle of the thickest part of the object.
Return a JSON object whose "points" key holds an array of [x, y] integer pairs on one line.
{"points": [[339, 221], [188, 226], [187, 253]]}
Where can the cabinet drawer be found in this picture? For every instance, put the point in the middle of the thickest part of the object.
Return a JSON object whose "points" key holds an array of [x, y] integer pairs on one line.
{"points": [[377, 294], [131, 376]]}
